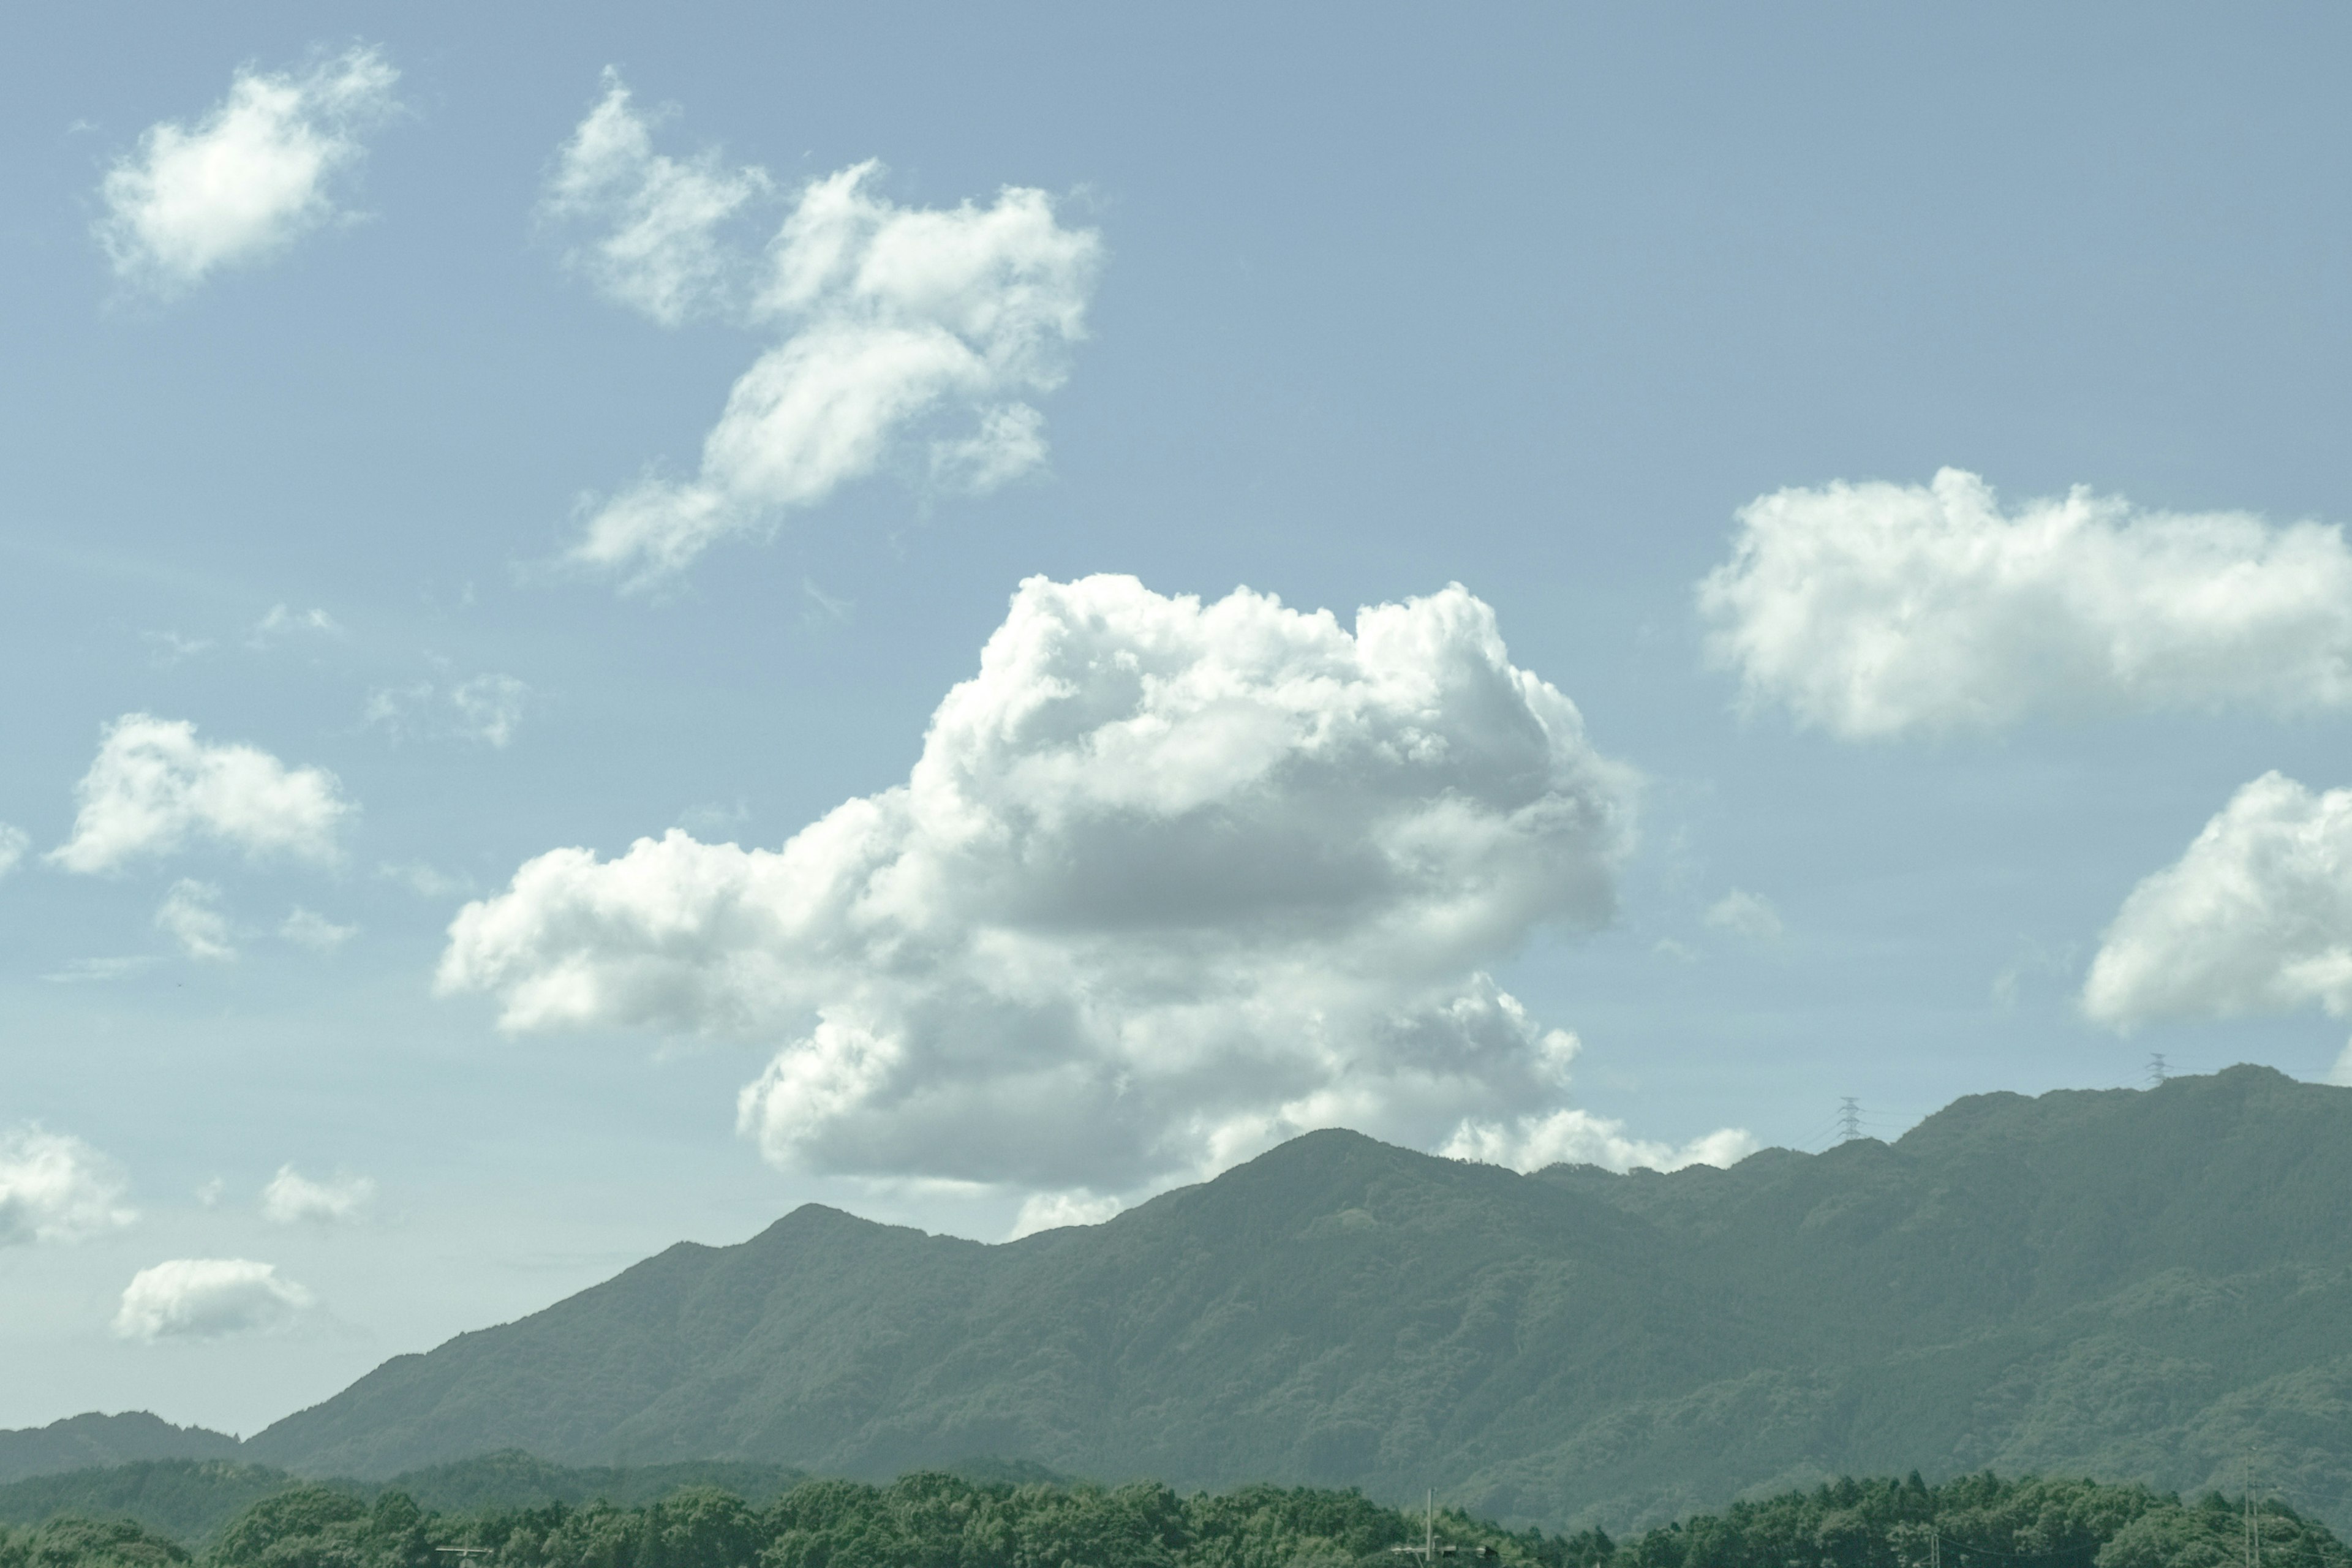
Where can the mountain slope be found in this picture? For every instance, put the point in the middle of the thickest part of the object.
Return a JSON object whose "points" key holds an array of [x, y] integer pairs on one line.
{"points": [[2139, 1284], [79, 1442]]}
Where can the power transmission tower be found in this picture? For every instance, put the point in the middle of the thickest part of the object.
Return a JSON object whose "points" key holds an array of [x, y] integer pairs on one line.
{"points": [[2156, 1069], [1849, 1120]]}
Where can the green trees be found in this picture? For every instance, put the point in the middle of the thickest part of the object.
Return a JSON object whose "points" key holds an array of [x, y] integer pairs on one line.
{"points": [[935, 1521]]}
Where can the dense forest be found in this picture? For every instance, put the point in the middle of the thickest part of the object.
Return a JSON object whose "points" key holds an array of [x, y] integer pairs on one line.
{"points": [[942, 1520]]}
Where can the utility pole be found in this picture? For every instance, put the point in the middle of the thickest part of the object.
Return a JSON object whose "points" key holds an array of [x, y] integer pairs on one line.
{"points": [[1849, 1120]]}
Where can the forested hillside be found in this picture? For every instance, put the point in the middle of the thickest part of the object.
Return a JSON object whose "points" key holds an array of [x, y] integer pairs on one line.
{"points": [[2138, 1285], [937, 1520]]}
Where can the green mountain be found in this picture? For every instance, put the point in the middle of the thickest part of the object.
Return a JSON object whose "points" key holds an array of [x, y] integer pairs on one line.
{"points": [[2143, 1286], [79, 1442]]}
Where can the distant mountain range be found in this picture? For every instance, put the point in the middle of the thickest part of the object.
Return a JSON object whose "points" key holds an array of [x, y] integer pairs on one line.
{"points": [[2135, 1285]]}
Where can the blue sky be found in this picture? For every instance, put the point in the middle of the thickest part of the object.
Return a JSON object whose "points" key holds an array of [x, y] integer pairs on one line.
{"points": [[1342, 307]]}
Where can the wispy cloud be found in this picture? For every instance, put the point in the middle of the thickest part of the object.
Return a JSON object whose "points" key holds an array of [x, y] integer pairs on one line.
{"points": [[293, 1198], [1746, 914], [247, 181], [488, 708], [308, 928], [191, 915], [921, 333]]}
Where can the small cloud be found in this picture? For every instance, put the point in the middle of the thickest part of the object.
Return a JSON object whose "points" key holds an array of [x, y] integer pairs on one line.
{"points": [[307, 928], [245, 182], [1746, 915], [1580, 1138], [292, 1197], [281, 622], [425, 881], [1052, 1211], [190, 914], [824, 606], [12, 845], [208, 1299], [55, 1187], [484, 708], [1681, 953], [209, 1194], [154, 787], [90, 970], [712, 821], [172, 648]]}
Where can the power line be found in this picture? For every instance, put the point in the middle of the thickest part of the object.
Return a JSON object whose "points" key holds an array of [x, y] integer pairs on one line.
{"points": [[1849, 1120]]}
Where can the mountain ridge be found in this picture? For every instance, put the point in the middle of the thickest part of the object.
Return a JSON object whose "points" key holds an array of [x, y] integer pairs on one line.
{"points": [[2139, 1285]]}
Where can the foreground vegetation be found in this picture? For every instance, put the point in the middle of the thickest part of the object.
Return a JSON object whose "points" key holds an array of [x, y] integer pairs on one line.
{"points": [[940, 1521]]}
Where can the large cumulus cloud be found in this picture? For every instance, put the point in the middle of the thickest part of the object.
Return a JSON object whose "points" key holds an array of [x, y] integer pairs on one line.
{"points": [[1170, 882], [1875, 610]]}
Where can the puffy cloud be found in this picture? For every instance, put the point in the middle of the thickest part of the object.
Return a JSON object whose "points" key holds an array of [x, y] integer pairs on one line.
{"points": [[190, 914], [914, 329], [661, 253], [2256, 917], [12, 845], [1171, 881], [252, 178], [208, 1299], [1574, 1137], [54, 1188], [154, 787], [292, 1198], [1877, 609], [1744, 914]]}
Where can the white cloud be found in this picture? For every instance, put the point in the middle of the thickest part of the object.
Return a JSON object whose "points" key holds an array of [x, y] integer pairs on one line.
{"points": [[484, 708], [917, 330], [252, 178], [190, 914], [281, 622], [2256, 917], [1875, 610], [54, 1188], [154, 787], [208, 1299], [1580, 1138], [12, 845], [1051, 1211], [308, 928], [292, 1198], [661, 254], [1744, 914], [1169, 882]]}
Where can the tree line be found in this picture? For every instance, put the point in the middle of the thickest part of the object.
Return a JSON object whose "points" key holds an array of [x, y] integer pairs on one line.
{"points": [[939, 1520]]}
